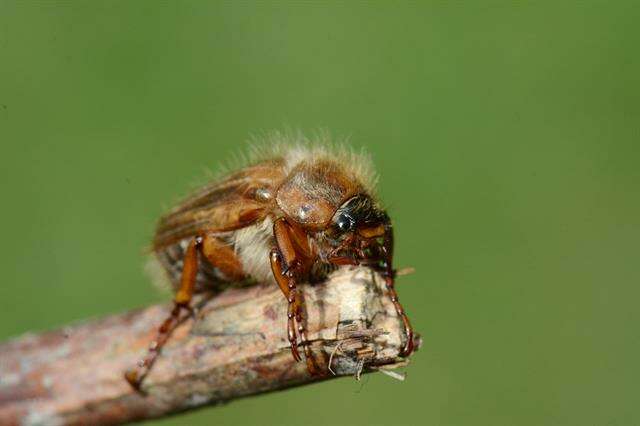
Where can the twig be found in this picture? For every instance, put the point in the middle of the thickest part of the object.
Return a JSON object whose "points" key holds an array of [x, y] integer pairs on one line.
{"points": [[236, 347]]}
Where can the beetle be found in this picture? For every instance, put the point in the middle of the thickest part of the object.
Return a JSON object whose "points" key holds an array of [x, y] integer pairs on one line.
{"points": [[298, 210]]}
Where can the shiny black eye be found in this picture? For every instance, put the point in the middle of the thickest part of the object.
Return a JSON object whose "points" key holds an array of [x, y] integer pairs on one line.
{"points": [[344, 222]]}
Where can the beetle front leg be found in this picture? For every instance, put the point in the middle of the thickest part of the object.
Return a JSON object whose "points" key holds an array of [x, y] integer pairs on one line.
{"points": [[389, 278], [409, 345], [288, 288], [288, 261]]}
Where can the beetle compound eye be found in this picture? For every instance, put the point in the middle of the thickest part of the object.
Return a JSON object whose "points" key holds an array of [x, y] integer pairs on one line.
{"points": [[344, 222]]}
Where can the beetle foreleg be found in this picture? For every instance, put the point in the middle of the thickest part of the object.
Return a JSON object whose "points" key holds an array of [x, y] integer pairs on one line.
{"points": [[288, 288], [389, 278], [287, 263]]}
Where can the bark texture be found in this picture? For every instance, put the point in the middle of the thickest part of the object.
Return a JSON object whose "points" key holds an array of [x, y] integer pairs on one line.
{"points": [[236, 347]]}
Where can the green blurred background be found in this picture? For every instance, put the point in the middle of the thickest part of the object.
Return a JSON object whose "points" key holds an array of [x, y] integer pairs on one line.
{"points": [[506, 136]]}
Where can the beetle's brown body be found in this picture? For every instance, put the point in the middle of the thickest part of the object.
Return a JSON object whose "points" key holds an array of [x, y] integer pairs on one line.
{"points": [[287, 218]]}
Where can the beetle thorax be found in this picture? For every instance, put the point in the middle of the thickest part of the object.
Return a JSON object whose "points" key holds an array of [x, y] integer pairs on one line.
{"points": [[313, 191]]}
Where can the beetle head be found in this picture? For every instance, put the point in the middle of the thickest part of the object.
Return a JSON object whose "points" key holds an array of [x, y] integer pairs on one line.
{"points": [[359, 215]]}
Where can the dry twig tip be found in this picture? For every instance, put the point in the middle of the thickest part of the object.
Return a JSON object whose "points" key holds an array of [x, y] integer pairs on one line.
{"points": [[237, 347]]}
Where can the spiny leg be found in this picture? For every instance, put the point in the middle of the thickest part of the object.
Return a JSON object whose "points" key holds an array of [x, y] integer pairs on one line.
{"points": [[300, 321], [389, 278], [289, 290], [294, 247], [287, 261], [181, 301], [408, 347]]}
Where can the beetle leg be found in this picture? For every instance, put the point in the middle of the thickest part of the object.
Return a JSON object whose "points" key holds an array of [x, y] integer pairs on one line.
{"points": [[181, 301], [288, 260], [223, 257], [343, 260], [346, 246], [408, 346], [389, 277], [287, 286]]}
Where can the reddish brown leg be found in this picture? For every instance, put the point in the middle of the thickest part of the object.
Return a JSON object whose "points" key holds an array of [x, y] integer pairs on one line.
{"points": [[389, 277], [288, 260], [343, 260], [408, 346], [289, 290], [222, 257], [340, 259], [181, 301]]}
